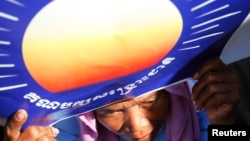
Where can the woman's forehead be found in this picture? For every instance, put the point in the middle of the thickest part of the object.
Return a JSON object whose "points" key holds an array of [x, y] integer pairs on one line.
{"points": [[132, 101]]}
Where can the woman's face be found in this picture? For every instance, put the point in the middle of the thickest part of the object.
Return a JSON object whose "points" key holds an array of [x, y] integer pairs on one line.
{"points": [[137, 119]]}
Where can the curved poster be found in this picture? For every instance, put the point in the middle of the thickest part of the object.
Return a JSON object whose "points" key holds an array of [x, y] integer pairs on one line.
{"points": [[61, 58]]}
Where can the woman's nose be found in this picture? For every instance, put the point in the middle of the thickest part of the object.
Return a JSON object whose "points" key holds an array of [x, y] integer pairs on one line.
{"points": [[137, 122]]}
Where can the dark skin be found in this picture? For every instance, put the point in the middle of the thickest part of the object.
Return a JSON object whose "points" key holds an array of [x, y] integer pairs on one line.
{"points": [[137, 119], [32, 133], [217, 91]]}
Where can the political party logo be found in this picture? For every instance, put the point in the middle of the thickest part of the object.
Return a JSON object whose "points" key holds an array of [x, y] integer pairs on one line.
{"points": [[71, 44], [61, 54]]}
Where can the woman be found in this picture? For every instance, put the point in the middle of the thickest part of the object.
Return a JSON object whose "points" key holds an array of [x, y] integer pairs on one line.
{"points": [[168, 114]]}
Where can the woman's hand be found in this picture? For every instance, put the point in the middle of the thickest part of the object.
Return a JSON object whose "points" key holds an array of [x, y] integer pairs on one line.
{"points": [[217, 90], [12, 130]]}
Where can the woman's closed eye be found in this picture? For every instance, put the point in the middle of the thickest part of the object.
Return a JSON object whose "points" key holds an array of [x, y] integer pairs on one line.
{"points": [[147, 104], [108, 112]]}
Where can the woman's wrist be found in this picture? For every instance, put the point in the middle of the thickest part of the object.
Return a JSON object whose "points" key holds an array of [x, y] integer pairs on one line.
{"points": [[226, 120]]}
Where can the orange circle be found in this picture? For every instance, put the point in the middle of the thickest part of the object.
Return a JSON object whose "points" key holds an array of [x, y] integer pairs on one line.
{"points": [[71, 44]]}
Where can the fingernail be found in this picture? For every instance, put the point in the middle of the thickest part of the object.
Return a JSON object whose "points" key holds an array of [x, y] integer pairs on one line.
{"points": [[55, 131], [20, 115]]}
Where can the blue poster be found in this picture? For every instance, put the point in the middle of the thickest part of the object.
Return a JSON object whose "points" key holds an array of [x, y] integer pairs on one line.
{"points": [[60, 58]]}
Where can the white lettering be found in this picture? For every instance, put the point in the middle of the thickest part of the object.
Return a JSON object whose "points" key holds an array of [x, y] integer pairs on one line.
{"points": [[168, 60], [33, 97], [45, 103], [53, 105], [231, 133], [42, 103], [66, 105], [81, 103], [215, 132], [100, 96]]}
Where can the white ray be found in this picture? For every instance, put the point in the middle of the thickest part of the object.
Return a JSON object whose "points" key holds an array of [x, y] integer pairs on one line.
{"points": [[16, 3], [4, 55], [7, 76], [5, 42], [8, 16], [213, 11], [4, 29], [216, 19], [189, 48], [13, 87], [203, 37], [206, 29], [7, 65], [202, 5]]}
